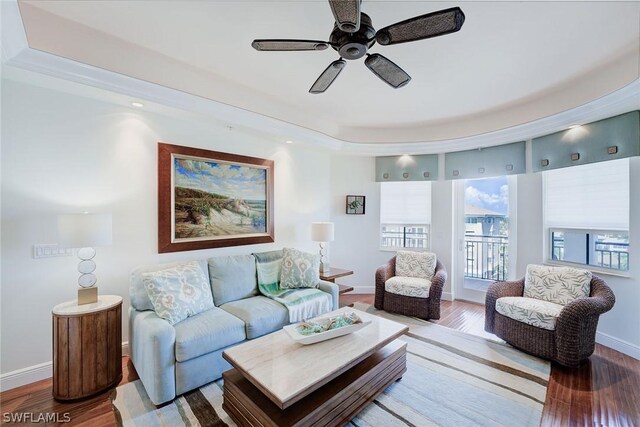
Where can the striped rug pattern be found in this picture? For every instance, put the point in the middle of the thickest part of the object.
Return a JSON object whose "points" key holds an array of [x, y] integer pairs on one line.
{"points": [[452, 379]]}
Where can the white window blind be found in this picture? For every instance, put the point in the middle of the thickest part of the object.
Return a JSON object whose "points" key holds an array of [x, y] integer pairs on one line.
{"points": [[405, 202], [594, 196]]}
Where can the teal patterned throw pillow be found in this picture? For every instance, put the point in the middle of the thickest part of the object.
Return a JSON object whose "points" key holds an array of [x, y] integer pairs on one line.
{"points": [[178, 292], [299, 269]]}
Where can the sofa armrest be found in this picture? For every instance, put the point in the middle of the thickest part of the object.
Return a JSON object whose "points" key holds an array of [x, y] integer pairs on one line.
{"points": [[498, 290], [332, 289], [383, 273], [152, 347]]}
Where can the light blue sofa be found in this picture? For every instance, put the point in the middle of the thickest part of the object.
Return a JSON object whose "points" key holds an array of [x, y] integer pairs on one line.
{"points": [[172, 360]]}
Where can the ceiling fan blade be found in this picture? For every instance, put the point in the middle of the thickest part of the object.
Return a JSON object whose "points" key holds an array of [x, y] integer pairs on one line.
{"points": [[422, 27], [347, 14], [387, 71], [328, 76], [284, 45]]}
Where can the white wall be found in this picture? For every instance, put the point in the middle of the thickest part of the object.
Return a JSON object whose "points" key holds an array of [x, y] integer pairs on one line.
{"points": [[529, 216], [357, 237], [441, 229], [68, 153]]}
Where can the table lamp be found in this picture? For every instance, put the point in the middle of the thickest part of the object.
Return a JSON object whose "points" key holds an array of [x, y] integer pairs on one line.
{"points": [[84, 231], [322, 232]]}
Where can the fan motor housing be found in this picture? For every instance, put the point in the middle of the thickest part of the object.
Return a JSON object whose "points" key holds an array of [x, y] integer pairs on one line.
{"points": [[354, 45]]}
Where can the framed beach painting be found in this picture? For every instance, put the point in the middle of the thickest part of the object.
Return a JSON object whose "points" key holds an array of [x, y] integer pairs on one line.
{"points": [[208, 199]]}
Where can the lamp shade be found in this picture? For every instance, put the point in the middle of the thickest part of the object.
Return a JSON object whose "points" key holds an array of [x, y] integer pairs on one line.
{"points": [[322, 231], [84, 230]]}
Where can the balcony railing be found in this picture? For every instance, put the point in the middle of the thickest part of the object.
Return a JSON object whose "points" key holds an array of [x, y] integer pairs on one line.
{"points": [[612, 254], [486, 257], [399, 236]]}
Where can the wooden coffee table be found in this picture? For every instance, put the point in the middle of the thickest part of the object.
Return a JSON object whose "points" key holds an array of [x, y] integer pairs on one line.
{"points": [[277, 382]]}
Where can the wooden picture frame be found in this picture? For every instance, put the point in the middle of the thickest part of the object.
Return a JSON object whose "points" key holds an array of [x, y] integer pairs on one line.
{"points": [[355, 205], [208, 199]]}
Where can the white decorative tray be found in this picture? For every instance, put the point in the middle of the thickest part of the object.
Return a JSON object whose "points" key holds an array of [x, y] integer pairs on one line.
{"points": [[322, 336]]}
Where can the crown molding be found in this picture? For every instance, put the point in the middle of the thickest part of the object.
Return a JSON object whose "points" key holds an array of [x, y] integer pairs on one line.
{"points": [[17, 53]]}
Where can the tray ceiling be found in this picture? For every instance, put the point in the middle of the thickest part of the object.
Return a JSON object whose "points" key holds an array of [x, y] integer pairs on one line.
{"points": [[512, 63]]}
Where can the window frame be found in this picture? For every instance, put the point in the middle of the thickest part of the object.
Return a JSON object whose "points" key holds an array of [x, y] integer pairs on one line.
{"points": [[548, 256], [404, 248]]}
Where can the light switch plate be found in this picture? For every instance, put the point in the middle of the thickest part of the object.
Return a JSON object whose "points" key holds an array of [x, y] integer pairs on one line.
{"points": [[50, 250]]}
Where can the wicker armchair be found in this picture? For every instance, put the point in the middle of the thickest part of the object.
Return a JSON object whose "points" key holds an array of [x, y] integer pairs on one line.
{"points": [[573, 339], [423, 308]]}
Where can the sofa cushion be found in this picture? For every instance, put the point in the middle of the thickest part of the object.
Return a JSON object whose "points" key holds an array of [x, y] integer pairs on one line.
{"points": [[408, 286], [178, 292], [260, 315], [232, 278], [560, 285], [206, 332], [532, 311], [299, 269], [137, 292], [416, 264]]}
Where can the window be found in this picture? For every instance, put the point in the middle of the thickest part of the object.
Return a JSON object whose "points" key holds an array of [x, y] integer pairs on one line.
{"points": [[587, 214], [405, 214]]}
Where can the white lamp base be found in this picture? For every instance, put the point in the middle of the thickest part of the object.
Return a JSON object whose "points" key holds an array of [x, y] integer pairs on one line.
{"points": [[87, 295], [324, 267]]}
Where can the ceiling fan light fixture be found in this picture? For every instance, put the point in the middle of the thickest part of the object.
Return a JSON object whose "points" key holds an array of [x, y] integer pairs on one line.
{"points": [[353, 35]]}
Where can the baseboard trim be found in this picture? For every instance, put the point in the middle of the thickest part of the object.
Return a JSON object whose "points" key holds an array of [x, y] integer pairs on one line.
{"points": [[617, 344], [32, 374], [24, 376], [363, 290], [447, 296]]}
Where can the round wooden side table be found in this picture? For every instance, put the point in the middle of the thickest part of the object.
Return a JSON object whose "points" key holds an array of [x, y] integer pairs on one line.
{"points": [[87, 347]]}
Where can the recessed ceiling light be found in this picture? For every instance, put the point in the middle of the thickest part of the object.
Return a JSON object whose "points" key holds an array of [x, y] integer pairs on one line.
{"points": [[289, 141], [137, 104], [574, 126]]}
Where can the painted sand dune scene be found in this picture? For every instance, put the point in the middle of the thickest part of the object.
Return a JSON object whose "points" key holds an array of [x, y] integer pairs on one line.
{"points": [[218, 199]]}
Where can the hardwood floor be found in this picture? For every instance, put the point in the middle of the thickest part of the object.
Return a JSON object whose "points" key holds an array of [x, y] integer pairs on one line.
{"points": [[603, 392]]}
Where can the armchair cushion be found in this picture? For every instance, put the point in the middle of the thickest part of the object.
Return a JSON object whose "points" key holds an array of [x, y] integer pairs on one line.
{"points": [[532, 311], [559, 285], [408, 286], [421, 265]]}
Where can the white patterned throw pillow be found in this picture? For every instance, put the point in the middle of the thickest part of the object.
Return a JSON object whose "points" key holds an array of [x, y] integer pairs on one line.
{"points": [[299, 269], [178, 292], [416, 264], [560, 285]]}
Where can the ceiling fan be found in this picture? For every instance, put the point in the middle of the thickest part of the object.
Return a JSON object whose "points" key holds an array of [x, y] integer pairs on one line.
{"points": [[353, 35]]}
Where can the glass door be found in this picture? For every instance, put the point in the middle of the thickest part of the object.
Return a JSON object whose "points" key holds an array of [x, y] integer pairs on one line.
{"points": [[483, 223]]}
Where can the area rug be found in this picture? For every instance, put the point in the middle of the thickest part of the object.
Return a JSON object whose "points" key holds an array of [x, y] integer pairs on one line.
{"points": [[452, 379]]}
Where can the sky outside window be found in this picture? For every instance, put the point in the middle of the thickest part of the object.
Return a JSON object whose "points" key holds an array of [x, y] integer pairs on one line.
{"points": [[489, 193]]}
